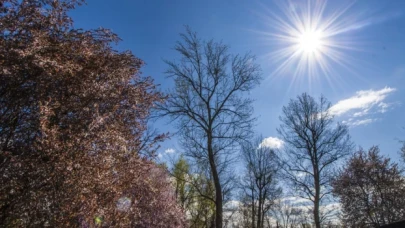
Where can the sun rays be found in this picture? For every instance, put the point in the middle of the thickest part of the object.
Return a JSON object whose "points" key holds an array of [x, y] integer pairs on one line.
{"points": [[311, 39]]}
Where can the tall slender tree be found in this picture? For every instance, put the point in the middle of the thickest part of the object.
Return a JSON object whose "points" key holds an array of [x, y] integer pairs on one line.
{"points": [[314, 143], [259, 185], [208, 102]]}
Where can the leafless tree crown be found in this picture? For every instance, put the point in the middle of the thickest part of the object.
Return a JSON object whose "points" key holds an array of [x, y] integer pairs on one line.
{"points": [[314, 143], [208, 103], [260, 183]]}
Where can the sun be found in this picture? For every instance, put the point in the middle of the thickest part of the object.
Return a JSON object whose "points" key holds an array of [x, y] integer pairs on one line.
{"points": [[310, 42]]}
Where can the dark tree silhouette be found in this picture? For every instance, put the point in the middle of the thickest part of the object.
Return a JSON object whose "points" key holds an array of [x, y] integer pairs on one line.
{"points": [[208, 104], [371, 190], [73, 119], [313, 145], [259, 185]]}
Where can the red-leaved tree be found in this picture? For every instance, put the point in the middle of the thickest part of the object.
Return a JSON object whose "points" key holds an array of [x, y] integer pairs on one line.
{"points": [[371, 190], [73, 119]]}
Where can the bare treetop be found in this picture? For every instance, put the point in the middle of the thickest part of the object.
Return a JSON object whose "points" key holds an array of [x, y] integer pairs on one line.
{"points": [[313, 145], [208, 103]]}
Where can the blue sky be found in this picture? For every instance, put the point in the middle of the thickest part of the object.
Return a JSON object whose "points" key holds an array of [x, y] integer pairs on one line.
{"points": [[366, 83]]}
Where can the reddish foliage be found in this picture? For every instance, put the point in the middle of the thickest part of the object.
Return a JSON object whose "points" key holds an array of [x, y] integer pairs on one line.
{"points": [[371, 190], [73, 113]]}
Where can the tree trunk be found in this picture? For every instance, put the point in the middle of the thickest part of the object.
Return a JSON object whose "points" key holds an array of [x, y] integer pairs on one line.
{"points": [[218, 200], [253, 210], [259, 212], [317, 219], [217, 184]]}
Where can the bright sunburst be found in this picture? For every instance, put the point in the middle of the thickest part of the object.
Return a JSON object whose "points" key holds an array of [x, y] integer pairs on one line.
{"points": [[311, 41]]}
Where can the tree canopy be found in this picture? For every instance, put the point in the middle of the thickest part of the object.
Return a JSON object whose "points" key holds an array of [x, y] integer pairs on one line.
{"points": [[371, 190], [73, 121], [314, 144]]}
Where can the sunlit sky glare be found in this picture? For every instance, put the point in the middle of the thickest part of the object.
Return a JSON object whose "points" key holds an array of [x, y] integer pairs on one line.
{"points": [[308, 39], [352, 52]]}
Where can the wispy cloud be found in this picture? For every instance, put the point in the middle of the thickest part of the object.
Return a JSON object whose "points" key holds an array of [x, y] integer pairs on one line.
{"points": [[361, 122], [363, 101], [272, 142], [383, 107], [295, 200], [363, 104], [170, 151]]}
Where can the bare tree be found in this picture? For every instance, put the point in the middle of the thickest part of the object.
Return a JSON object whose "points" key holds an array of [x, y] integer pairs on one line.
{"points": [[289, 214], [208, 104], [371, 190], [313, 145], [259, 185]]}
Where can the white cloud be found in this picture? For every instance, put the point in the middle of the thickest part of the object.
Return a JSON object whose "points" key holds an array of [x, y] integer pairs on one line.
{"points": [[232, 204], [170, 151], [357, 122], [359, 108], [361, 113], [383, 107], [362, 122], [295, 200], [272, 142], [362, 102]]}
